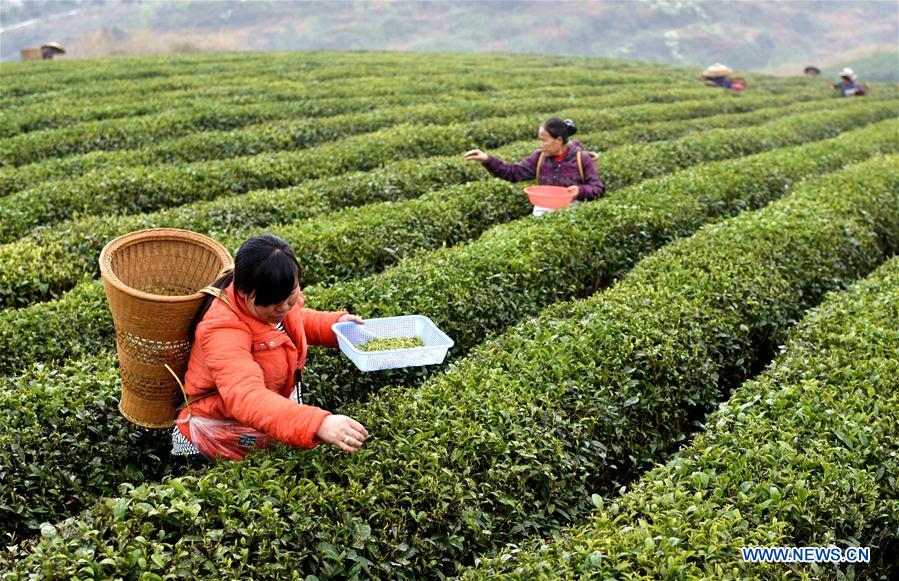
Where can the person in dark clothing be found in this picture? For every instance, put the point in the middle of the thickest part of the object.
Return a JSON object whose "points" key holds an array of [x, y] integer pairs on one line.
{"points": [[811, 71], [557, 162], [848, 85], [718, 75], [50, 49]]}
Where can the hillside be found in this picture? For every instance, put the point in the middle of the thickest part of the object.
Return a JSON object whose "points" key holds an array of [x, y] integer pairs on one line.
{"points": [[781, 36], [698, 355]]}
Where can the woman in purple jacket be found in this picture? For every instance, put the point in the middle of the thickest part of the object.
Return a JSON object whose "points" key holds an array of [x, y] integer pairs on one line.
{"points": [[557, 162]]}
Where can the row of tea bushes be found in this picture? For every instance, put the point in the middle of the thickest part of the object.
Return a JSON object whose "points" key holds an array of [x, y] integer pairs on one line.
{"points": [[362, 241], [62, 122], [289, 134], [57, 113], [54, 259], [63, 450], [310, 67], [147, 130], [347, 83], [138, 189], [357, 80], [33, 333], [528, 270], [454, 469], [806, 455], [603, 241]]}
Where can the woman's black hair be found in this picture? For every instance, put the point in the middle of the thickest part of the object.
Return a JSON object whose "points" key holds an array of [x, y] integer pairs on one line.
{"points": [[265, 267], [558, 128]]}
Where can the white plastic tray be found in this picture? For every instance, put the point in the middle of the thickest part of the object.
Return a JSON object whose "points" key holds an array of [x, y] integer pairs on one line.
{"points": [[350, 334]]}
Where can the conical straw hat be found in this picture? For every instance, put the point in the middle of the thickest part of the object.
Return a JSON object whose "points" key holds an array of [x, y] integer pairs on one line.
{"points": [[717, 70], [55, 46]]}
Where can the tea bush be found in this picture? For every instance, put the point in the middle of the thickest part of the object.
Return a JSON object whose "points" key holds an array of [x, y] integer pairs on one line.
{"points": [[28, 340], [607, 385], [55, 259], [805, 455], [603, 240]]}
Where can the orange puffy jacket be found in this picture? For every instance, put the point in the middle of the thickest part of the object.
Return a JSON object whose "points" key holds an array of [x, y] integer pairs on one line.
{"points": [[252, 364]]}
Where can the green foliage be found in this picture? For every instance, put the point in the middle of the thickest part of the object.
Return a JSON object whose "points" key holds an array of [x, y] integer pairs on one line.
{"points": [[804, 455], [608, 384], [634, 164], [601, 241], [286, 126], [64, 436], [53, 260], [565, 401], [144, 188], [393, 343]]}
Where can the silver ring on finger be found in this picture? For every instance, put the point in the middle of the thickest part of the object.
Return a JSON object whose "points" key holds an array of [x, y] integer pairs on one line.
{"points": [[346, 438]]}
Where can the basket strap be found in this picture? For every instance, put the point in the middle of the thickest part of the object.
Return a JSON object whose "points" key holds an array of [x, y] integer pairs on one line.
{"points": [[196, 398], [187, 400], [540, 165], [580, 165], [219, 294]]}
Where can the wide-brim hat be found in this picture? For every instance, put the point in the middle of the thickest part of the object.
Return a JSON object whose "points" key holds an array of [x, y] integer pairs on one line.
{"points": [[848, 73], [717, 70], [55, 46]]}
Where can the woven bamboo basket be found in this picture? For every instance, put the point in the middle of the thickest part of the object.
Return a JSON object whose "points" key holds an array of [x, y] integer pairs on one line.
{"points": [[152, 279], [30, 54]]}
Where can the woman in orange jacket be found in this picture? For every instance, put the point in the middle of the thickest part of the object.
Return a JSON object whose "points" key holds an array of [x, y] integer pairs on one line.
{"points": [[244, 377]]}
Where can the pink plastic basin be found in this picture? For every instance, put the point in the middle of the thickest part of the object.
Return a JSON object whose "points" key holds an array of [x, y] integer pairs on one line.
{"points": [[552, 197]]}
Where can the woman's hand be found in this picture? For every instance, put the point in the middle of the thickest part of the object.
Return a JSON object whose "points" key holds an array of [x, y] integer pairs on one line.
{"points": [[574, 190], [348, 317], [343, 432], [475, 155]]}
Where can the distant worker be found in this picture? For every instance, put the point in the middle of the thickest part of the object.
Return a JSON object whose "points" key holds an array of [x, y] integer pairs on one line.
{"points": [[557, 162], [811, 71], [50, 49], [848, 85], [718, 75]]}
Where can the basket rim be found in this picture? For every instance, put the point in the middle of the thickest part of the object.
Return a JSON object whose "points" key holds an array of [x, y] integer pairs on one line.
{"points": [[109, 276]]}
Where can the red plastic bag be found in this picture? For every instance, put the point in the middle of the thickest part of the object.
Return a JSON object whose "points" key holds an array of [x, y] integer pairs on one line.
{"points": [[219, 439]]}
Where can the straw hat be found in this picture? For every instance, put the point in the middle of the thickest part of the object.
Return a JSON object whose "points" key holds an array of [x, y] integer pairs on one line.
{"points": [[717, 70], [847, 72], [55, 46]]}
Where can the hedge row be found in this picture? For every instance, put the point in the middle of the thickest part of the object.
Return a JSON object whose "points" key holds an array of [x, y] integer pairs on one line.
{"points": [[147, 130], [32, 333], [357, 78], [350, 82], [509, 275], [115, 134], [362, 241], [806, 455], [278, 133], [48, 114], [511, 441], [309, 67], [54, 259], [60, 77], [451, 287], [38, 332], [138, 189], [385, 89]]}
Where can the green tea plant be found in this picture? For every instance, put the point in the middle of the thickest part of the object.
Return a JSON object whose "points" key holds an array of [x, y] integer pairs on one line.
{"points": [[53, 260], [603, 241], [609, 384], [805, 455]]}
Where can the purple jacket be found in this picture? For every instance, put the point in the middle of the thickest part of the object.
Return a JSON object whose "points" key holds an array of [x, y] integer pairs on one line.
{"points": [[553, 173]]}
